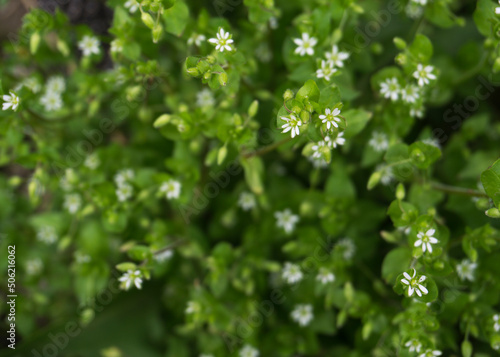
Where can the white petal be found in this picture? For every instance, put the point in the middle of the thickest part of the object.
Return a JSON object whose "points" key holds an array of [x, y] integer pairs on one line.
{"points": [[410, 291], [418, 292], [404, 281], [423, 289], [418, 243], [407, 276]]}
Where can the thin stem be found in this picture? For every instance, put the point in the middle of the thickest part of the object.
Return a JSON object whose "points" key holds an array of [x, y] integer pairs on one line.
{"points": [[267, 148], [457, 190]]}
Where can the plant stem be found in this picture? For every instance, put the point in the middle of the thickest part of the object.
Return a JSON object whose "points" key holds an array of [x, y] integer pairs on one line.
{"points": [[457, 190], [267, 148]]}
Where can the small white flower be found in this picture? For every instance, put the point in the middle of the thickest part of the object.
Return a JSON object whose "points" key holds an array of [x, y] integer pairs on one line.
{"points": [[205, 98], [413, 345], [339, 140], [164, 255], [10, 101], [305, 45], [430, 353], [379, 141], [425, 239], [466, 270], [413, 10], [326, 70], [92, 161], [347, 248], [497, 9], [318, 149], [337, 57], [417, 112], [286, 220], [325, 276], [273, 23], [192, 307], [413, 283], [303, 314], [171, 189], [196, 39], [46, 234], [222, 42], [32, 84], [249, 351], [124, 176], [131, 5], [432, 141], [387, 175], [420, 2], [124, 191], [131, 278], [390, 88], [292, 273], [424, 74], [72, 202], [116, 45], [246, 201], [34, 266], [81, 258], [89, 45], [292, 124], [55, 84], [51, 101], [496, 325], [318, 163], [410, 93], [330, 118]]}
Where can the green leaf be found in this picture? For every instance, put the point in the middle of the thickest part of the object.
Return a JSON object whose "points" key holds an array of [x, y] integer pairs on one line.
{"points": [[484, 17], [356, 121], [309, 91], [254, 173], [329, 97], [423, 155], [176, 18], [402, 213], [396, 261], [421, 48], [491, 182]]}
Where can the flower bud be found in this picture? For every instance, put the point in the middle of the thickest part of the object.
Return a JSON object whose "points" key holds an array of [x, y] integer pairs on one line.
{"points": [[193, 71], [493, 213], [148, 20], [374, 180], [400, 192], [157, 32], [253, 108], [288, 95], [223, 79]]}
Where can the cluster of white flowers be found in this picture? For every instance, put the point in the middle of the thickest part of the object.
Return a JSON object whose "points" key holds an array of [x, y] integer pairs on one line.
{"points": [[205, 98], [81, 258], [303, 314], [247, 201], [132, 5], [414, 345], [124, 189], [305, 45], [31, 83], [92, 161], [223, 42], [196, 39], [379, 141], [171, 189], [496, 322], [164, 255], [466, 270], [10, 101], [318, 155], [52, 97], [248, 351], [116, 45], [72, 202], [192, 307], [425, 240], [347, 248], [334, 59], [286, 219], [430, 353], [131, 277], [292, 273], [325, 276], [46, 234], [89, 45], [34, 266], [413, 283]]}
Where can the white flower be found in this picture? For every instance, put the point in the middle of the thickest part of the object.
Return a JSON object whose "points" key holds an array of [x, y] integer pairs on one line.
{"points": [[92, 161], [72, 202], [318, 163], [305, 45], [164, 255], [420, 2], [124, 176], [131, 278], [425, 239], [339, 140], [330, 117], [69, 180], [430, 353], [432, 141], [466, 269], [413, 10], [171, 188], [347, 247], [337, 57], [292, 273], [410, 93], [248, 351], [196, 39], [325, 276], [326, 70], [34, 266], [379, 141], [286, 220], [273, 23], [390, 88], [51, 101], [424, 74], [413, 345], [46, 234], [496, 319], [116, 45], [124, 191], [55, 84], [81, 258], [131, 5], [246, 201], [292, 124], [497, 9], [205, 98], [417, 112], [89, 45], [318, 149], [10, 101], [192, 307], [222, 42], [32, 84], [413, 283], [303, 314], [387, 175]]}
